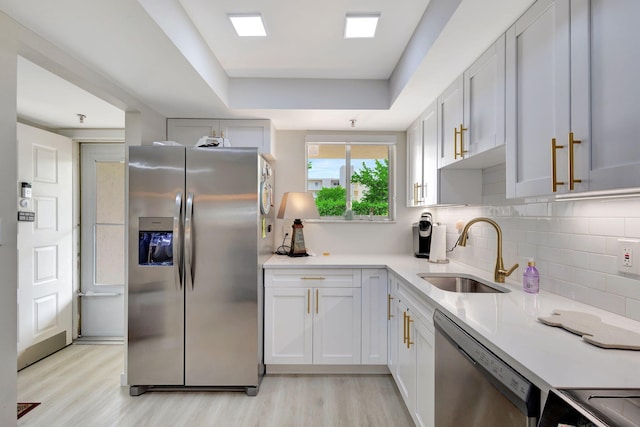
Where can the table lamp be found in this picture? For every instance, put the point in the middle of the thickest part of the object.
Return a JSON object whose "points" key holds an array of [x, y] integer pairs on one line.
{"points": [[298, 206]]}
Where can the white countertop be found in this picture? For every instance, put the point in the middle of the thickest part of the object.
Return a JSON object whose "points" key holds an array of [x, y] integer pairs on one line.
{"points": [[507, 323]]}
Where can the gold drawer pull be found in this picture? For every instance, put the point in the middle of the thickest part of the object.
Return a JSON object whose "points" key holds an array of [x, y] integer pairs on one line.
{"points": [[409, 342], [308, 301], [389, 298]]}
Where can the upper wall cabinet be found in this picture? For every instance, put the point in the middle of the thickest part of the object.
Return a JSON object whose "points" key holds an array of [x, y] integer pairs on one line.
{"points": [[451, 130], [537, 118], [427, 184], [484, 102], [241, 133], [605, 58], [572, 98]]}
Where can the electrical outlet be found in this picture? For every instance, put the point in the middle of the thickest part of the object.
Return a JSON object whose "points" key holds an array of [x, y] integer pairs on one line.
{"points": [[628, 250]]}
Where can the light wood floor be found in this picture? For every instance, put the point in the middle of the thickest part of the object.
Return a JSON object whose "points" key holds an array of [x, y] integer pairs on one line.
{"points": [[80, 386]]}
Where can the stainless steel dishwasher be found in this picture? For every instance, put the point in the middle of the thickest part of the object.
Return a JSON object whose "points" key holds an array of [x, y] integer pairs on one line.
{"points": [[474, 387]]}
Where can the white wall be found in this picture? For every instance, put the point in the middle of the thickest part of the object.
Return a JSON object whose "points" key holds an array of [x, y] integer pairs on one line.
{"points": [[345, 237], [574, 242]]}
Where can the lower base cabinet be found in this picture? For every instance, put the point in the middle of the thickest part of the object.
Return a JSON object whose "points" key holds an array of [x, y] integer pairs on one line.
{"points": [[411, 352], [332, 316]]}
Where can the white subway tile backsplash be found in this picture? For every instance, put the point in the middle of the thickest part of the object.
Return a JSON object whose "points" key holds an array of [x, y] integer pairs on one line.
{"points": [[633, 309], [632, 227], [606, 301], [603, 263], [606, 226], [574, 242], [623, 286]]}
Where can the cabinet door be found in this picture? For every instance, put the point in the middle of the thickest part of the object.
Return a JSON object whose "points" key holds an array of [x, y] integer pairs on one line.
{"points": [[189, 131], [392, 322], [425, 375], [248, 133], [484, 85], [415, 178], [605, 92], [288, 322], [406, 369], [450, 116], [430, 174], [374, 316], [337, 326], [537, 61]]}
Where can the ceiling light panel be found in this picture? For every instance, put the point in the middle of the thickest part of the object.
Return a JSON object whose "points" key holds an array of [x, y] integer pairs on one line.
{"points": [[361, 25], [248, 25]]}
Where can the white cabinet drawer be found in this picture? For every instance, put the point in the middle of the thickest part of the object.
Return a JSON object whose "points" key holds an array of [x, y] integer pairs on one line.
{"points": [[313, 277]]}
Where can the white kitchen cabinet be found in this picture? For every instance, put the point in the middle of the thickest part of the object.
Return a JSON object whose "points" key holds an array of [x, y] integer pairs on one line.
{"points": [[414, 346], [415, 165], [239, 132], [433, 186], [451, 130], [484, 102], [313, 316], [605, 92], [425, 374], [374, 319], [392, 325], [538, 100], [288, 325]]}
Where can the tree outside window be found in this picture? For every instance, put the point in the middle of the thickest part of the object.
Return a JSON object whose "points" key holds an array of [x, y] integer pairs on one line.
{"points": [[350, 181]]}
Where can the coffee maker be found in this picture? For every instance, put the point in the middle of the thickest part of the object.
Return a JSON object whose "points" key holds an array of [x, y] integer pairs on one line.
{"points": [[422, 232]]}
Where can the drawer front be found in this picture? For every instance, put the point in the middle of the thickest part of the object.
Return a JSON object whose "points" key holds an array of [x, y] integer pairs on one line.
{"points": [[421, 308], [314, 277]]}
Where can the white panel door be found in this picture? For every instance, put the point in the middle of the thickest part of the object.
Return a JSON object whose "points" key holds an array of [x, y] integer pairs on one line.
{"points": [[103, 240], [374, 316], [604, 92], [45, 245], [337, 326], [484, 85], [537, 95], [415, 157], [425, 375], [450, 116], [406, 364], [288, 323]]}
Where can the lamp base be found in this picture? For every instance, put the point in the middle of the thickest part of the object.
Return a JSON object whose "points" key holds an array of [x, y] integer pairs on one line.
{"points": [[297, 240]]}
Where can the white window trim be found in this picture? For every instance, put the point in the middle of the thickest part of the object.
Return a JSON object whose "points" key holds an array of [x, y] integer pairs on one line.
{"points": [[389, 140]]}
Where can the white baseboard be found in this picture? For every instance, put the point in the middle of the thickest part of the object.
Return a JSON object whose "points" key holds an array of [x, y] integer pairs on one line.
{"points": [[329, 369]]}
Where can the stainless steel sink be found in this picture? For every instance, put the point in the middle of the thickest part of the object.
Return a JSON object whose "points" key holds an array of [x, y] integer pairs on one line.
{"points": [[462, 283]]}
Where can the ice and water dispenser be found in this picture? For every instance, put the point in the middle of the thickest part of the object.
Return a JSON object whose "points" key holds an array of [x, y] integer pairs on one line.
{"points": [[155, 245]]}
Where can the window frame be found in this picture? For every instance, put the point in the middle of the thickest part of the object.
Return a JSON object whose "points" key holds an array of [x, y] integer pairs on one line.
{"points": [[348, 141]]}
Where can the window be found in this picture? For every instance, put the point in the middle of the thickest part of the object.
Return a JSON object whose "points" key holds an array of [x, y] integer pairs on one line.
{"points": [[352, 180]]}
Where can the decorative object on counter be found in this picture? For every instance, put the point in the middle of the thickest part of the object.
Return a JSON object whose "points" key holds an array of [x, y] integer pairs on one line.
{"points": [[593, 330], [298, 206], [531, 278], [499, 272]]}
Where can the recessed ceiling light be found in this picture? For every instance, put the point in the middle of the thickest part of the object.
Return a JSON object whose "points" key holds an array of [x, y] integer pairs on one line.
{"points": [[361, 25], [248, 25]]}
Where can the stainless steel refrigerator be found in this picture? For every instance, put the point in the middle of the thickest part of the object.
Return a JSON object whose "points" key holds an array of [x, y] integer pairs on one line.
{"points": [[199, 231]]}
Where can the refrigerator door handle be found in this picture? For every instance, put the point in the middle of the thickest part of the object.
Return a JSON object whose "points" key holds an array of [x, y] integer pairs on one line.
{"points": [[188, 241], [177, 242]]}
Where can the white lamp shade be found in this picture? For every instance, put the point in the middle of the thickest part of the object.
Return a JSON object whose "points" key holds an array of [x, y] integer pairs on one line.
{"points": [[298, 206]]}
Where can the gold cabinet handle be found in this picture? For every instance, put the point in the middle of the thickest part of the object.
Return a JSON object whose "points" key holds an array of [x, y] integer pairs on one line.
{"points": [[409, 342], [455, 142], [313, 278], [308, 301], [389, 298], [317, 300], [404, 327], [572, 179], [554, 170]]}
